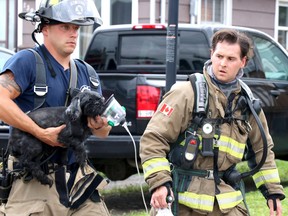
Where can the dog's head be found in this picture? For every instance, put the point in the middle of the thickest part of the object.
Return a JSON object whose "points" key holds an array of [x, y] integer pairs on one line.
{"points": [[86, 103]]}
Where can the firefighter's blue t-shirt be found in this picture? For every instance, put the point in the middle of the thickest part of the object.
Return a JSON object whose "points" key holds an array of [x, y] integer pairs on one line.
{"points": [[23, 66]]}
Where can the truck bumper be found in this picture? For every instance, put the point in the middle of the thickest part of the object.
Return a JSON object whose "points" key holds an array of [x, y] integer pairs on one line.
{"points": [[111, 147], [114, 146]]}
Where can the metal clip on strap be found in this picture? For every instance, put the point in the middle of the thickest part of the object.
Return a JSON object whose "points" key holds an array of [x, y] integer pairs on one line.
{"points": [[210, 174], [40, 90]]}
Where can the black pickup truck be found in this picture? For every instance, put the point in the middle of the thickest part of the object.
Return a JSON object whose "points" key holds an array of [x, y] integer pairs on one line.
{"points": [[131, 63]]}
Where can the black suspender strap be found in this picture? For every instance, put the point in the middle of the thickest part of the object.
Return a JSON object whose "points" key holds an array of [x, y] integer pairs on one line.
{"points": [[73, 76], [73, 80], [61, 186], [40, 88]]}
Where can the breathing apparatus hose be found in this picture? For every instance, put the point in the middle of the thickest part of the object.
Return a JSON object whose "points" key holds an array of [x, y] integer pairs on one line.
{"points": [[265, 144], [234, 177]]}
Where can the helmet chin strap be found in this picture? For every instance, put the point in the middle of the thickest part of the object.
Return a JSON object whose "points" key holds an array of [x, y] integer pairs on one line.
{"points": [[33, 35]]}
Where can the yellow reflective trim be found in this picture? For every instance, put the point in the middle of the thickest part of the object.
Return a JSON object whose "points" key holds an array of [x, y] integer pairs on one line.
{"points": [[196, 201], [266, 176], [183, 142], [229, 200], [231, 146], [53, 2], [155, 165]]}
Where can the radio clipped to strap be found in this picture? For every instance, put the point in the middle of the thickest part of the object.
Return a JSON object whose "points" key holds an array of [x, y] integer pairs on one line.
{"points": [[94, 80]]}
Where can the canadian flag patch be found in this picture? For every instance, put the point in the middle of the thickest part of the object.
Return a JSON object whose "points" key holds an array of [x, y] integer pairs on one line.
{"points": [[166, 109]]}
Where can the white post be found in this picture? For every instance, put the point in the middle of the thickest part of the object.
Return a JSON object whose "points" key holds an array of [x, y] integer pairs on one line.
{"points": [[228, 12], [163, 11], [152, 11], [135, 13], [105, 12]]}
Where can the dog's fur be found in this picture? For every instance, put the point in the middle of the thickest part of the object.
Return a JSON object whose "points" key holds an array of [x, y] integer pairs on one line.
{"points": [[31, 151]]}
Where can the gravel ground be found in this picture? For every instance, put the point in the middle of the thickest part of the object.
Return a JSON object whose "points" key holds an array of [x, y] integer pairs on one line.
{"points": [[121, 204]]}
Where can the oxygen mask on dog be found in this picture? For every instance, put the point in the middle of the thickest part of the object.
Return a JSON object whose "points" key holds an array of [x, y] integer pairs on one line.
{"points": [[114, 112]]}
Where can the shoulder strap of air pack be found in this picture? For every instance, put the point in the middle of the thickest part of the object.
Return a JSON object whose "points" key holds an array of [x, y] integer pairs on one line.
{"points": [[40, 87], [199, 86], [248, 91]]}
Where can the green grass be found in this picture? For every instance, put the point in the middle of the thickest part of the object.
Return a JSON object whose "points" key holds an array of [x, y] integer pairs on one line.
{"points": [[256, 202]]}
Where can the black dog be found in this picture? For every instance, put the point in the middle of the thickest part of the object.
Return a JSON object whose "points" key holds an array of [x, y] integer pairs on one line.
{"points": [[31, 152]]}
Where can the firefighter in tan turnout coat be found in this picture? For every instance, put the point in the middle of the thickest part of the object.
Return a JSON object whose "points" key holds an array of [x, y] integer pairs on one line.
{"points": [[203, 186]]}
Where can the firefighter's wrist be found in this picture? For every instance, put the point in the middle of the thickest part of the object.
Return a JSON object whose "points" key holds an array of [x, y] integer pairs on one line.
{"points": [[168, 185], [169, 198]]}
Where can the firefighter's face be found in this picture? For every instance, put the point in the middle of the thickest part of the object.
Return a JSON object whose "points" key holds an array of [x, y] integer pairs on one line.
{"points": [[226, 61], [62, 37]]}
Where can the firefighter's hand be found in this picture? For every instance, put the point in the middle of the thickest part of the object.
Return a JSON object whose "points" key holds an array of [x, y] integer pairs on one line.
{"points": [[278, 207], [99, 126], [158, 199], [50, 136]]}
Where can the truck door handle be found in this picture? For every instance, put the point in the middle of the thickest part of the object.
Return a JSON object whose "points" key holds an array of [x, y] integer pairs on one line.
{"points": [[276, 92]]}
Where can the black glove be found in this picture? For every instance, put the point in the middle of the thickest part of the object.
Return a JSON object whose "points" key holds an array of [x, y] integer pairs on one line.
{"points": [[274, 197]]}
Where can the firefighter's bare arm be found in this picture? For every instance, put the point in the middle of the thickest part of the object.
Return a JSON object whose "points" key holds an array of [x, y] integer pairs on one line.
{"points": [[278, 209], [99, 126], [11, 114]]}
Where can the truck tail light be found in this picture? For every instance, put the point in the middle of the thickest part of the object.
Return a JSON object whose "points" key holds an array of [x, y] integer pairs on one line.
{"points": [[148, 98], [148, 26]]}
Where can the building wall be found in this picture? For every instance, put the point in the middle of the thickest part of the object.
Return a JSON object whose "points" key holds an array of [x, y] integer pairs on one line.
{"points": [[258, 14], [28, 27], [184, 11], [144, 11]]}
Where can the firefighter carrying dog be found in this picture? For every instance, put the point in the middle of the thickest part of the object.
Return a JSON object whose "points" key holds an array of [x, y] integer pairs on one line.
{"points": [[21, 91]]}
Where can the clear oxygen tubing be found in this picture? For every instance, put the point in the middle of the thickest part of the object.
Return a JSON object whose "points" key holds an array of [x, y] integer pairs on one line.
{"points": [[136, 163]]}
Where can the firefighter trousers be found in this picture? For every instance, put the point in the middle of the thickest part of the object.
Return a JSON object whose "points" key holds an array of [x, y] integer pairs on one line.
{"points": [[34, 199]]}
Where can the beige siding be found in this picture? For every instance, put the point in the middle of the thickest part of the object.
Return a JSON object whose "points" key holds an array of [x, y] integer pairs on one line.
{"points": [[28, 27], [258, 14], [144, 11]]}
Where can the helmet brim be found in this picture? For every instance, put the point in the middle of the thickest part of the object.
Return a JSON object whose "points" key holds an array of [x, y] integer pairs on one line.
{"points": [[84, 22]]}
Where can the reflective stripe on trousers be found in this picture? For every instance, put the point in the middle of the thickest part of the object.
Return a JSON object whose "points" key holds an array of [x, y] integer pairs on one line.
{"points": [[206, 202]]}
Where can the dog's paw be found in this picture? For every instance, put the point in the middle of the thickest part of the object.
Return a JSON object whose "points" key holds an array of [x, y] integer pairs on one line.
{"points": [[47, 181]]}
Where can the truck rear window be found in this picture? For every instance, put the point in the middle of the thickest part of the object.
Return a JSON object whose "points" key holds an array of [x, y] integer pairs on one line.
{"points": [[119, 50], [142, 50]]}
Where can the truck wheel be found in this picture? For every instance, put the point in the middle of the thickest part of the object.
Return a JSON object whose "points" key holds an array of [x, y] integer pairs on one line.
{"points": [[118, 171]]}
